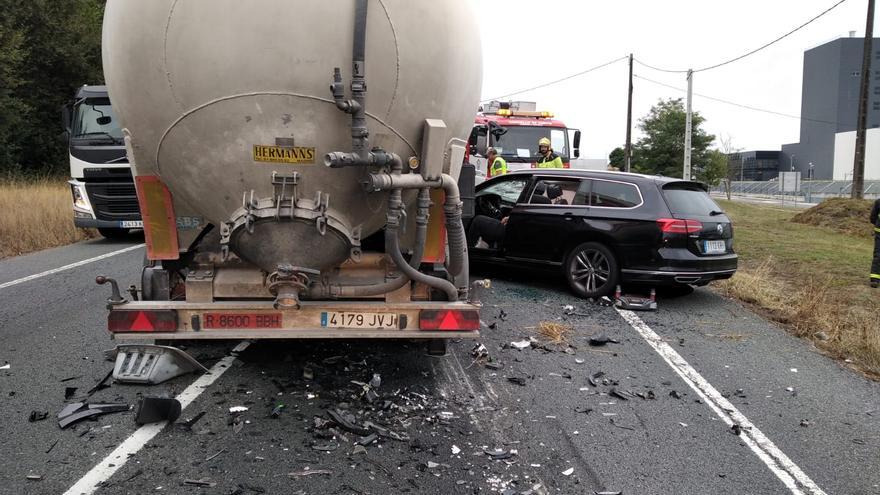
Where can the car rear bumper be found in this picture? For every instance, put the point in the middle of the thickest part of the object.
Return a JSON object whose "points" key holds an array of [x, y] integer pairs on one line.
{"points": [[683, 267], [661, 277]]}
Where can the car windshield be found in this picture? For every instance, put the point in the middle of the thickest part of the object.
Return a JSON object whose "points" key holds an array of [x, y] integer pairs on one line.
{"points": [[509, 189], [85, 120], [520, 143], [689, 199]]}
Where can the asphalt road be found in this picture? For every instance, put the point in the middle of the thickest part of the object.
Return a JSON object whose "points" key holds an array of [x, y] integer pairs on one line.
{"points": [[554, 431]]}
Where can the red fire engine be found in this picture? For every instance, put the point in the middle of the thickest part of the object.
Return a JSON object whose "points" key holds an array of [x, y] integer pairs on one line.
{"points": [[514, 129]]}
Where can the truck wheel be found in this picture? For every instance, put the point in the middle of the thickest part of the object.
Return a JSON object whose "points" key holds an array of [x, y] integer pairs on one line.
{"points": [[113, 233], [591, 270]]}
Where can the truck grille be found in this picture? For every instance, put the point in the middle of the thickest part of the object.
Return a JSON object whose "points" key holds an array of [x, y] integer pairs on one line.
{"points": [[114, 200]]}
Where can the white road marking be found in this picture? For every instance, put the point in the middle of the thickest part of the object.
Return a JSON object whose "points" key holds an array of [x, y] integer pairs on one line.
{"points": [[787, 471], [116, 459], [68, 267]]}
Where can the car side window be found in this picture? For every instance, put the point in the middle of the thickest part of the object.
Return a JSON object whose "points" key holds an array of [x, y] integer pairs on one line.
{"points": [[614, 194], [554, 192], [509, 190]]}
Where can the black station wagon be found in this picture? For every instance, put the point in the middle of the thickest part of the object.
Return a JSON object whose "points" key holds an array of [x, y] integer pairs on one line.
{"points": [[603, 228]]}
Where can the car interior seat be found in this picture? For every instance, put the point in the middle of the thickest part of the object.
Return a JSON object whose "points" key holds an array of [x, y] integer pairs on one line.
{"points": [[538, 194], [554, 191]]}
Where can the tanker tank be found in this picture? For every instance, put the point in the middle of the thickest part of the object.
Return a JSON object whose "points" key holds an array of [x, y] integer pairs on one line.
{"points": [[234, 106]]}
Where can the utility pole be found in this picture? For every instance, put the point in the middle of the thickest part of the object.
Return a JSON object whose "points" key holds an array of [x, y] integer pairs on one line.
{"points": [[629, 117], [859, 165], [687, 128]]}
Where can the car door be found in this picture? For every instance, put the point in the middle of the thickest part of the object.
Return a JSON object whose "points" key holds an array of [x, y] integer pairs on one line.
{"points": [[537, 227], [510, 189]]}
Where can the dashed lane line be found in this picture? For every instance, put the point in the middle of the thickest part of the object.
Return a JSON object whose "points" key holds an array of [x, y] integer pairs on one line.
{"points": [[787, 471], [128, 448], [68, 267]]}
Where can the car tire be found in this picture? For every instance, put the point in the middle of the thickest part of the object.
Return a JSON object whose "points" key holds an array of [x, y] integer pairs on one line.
{"points": [[113, 233], [591, 270]]}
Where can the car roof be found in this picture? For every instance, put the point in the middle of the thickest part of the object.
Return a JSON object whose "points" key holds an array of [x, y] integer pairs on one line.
{"points": [[660, 180]]}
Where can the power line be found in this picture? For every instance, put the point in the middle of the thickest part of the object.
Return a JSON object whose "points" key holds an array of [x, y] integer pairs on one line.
{"points": [[591, 69], [756, 50], [741, 105]]}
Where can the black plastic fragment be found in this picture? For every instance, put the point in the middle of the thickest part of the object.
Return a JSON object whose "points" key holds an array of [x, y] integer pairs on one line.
{"points": [[79, 411], [156, 409], [600, 340], [37, 416]]}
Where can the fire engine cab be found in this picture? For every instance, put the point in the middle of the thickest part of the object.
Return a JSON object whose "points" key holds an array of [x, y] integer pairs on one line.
{"points": [[514, 129]]}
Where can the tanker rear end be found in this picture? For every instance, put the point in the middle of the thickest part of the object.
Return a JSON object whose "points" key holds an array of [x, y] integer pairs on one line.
{"points": [[297, 166]]}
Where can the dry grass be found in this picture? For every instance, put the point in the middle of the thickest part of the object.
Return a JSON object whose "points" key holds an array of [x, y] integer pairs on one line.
{"points": [[812, 279], [849, 216], [555, 333], [36, 214]]}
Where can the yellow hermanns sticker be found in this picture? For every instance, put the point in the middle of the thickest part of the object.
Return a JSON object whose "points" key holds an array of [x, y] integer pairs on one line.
{"points": [[279, 154]]}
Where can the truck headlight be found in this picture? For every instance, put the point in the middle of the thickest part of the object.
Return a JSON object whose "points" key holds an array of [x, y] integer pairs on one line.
{"points": [[80, 198]]}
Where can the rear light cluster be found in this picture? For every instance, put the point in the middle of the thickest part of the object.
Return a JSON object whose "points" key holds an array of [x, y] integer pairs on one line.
{"points": [[679, 226], [449, 319], [142, 321]]}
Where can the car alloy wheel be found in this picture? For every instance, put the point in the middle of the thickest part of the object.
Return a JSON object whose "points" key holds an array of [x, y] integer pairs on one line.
{"points": [[591, 270]]}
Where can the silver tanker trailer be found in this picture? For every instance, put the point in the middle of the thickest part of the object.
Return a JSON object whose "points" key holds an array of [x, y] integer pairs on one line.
{"points": [[297, 166]]}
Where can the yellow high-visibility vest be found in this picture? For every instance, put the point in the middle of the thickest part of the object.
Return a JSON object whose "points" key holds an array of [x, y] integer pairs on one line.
{"points": [[499, 167], [554, 161]]}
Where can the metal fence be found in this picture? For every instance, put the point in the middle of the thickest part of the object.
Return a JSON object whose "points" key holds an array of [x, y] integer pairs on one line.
{"points": [[811, 191]]}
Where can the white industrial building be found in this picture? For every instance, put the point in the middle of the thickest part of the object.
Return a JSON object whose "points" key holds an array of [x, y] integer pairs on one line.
{"points": [[844, 154]]}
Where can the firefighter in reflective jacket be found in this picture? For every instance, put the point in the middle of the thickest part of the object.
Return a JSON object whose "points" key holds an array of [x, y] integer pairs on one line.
{"points": [[497, 165], [875, 265], [548, 158]]}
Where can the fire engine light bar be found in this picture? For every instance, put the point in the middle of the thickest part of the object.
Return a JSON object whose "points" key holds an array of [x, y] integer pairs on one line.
{"points": [[142, 321], [449, 319]]}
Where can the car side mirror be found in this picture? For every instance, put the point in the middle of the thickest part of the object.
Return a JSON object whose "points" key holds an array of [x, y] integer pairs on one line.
{"points": [[577, 143]]}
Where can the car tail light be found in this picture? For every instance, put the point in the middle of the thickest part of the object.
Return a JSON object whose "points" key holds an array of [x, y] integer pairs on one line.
{"points": [[679, 226], [142, 321], [449, 319]]}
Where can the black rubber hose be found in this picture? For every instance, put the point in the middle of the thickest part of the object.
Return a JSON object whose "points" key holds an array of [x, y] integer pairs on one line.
{"points": [[359, 51]]}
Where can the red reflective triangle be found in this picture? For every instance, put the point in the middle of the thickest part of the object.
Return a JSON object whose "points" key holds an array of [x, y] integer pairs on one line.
{"points": [[449, 322], [142, 323]]}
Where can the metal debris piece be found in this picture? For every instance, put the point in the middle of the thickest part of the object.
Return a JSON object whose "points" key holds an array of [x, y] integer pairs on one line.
{"points": [[517, 380], [568, 472], [600, 340], [522, 344], [500, 454], [310, 472], [330, 447], [78, 411], [367, 440], [237, 409], [37, 416], [151, 364], [156, 409], [594, 378], [33, 477]]}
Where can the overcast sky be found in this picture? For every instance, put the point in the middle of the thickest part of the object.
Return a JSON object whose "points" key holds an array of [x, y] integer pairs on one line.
{"points": [[527, 43]]}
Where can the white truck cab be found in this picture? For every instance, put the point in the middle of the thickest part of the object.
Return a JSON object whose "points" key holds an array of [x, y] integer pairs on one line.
{"points": [[100, 176]]}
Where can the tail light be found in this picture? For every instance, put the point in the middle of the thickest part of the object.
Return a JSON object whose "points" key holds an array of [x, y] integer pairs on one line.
{"points": [[449, 319], [142, 321], [679, 226]]}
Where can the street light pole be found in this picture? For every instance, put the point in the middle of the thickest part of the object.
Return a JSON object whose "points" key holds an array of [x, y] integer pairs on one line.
{"points": [[859, 161]]}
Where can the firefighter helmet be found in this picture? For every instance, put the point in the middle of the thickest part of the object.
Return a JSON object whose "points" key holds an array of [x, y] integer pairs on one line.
{"points": [[544, 142]]}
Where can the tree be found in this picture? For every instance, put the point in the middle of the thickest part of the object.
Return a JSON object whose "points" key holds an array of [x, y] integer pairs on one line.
{"points": [[714, 169], [47, 49], [617, 158], [661, 150]]}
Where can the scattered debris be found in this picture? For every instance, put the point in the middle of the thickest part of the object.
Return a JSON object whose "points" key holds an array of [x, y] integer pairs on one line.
{"points": [[37, 416], [675, 394], [805, 423], [69, 392], [568, 472], [102, 384], [52, 446], [793, 370], [600, 340], [620, 395], [502, 315], [187, 425], [310, 472], [500, 454], [70, 378], [455, 450], [583, 409], [594, 378], [276, 411], [683, 425], [479, 351], [649, 395], [605, 301], [556, 333], [78, 411], [522, 344], [367, 440], [33, 477], [736, 429], [493, 365], [214, 456], [237, 409], [6, 366], [821, 336], [199, 483], [517, 380], [156, 409], [607, 493], [308, 373], [579, 361], [347, 423], [151, 364]]}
